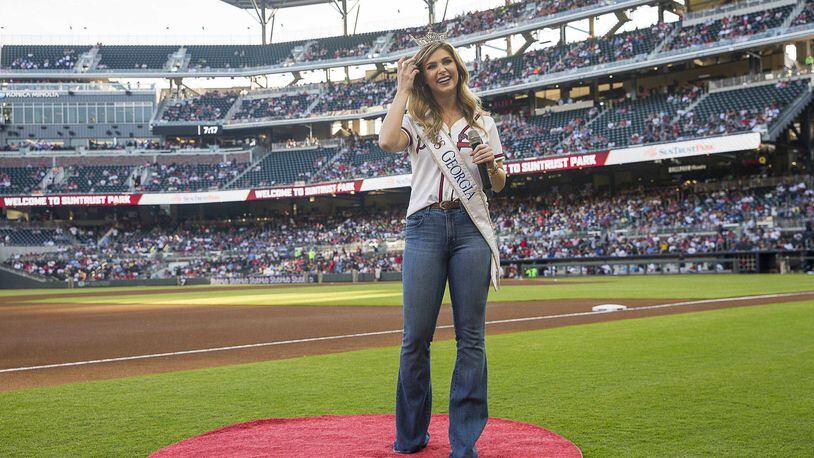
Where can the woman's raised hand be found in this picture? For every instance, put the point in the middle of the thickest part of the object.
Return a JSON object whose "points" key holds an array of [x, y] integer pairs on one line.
{"points": [[406, 73]]}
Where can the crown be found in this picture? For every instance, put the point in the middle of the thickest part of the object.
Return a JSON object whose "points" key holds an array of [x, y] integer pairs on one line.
{"points": [[429, 38]]}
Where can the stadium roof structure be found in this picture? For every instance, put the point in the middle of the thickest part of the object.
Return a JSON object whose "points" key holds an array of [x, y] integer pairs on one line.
{"points": [[251, 4], [266, 10]]}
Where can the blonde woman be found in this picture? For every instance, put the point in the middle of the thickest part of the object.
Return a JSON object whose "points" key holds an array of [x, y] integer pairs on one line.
{"points": [[449, 237]]}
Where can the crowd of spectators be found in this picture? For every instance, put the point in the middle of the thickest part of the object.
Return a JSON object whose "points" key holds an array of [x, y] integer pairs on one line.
{"points": [[322, 50], [280, 106], [652, 222], [121, 145], [177, 177], [81, 264], [209, 107], [96, 178], [730, 27], [362, 158], [589, 52], [31, 62], [490, 73], [806, 16], [38, 145], [355, 95], [21, 180], [584, 224], [524, 136], [273, 265], [487, 20]]}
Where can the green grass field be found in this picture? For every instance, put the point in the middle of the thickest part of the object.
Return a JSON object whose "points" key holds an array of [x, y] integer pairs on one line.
{"points": [[732, 382], [664, 287]]}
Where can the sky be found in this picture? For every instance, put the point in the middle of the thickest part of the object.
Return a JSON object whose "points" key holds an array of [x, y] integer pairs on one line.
{"points": [[216, 22]]}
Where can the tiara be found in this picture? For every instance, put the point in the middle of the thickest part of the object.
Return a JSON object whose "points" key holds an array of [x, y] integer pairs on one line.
{"points": [[429, 38]]}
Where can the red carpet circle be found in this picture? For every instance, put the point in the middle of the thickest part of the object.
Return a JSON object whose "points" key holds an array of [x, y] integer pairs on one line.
{"points": [[361, 436]]}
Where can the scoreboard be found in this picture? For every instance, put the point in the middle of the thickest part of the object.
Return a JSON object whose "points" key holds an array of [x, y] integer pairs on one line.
{"points": [[196, 130]]}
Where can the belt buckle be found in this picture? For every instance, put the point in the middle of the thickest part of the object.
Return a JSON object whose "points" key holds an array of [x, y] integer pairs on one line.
{"points": [[449, 204]]}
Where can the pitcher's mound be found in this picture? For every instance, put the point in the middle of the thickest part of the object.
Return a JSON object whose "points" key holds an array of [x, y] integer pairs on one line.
{"points": [[362, 436]]}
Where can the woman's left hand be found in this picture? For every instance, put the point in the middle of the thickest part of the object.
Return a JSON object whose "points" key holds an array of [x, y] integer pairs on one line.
{"points": [[483, 154]]}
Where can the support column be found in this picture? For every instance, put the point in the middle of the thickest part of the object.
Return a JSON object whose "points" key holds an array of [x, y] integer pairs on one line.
{"points": [[803, 51], [431, 11], [805, 139], [595, 92], [263, 22], [532, 96], [562, 35]]}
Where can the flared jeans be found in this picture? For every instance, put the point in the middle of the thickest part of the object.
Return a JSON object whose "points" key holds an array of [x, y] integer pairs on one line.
{"points": [[443, 245]]}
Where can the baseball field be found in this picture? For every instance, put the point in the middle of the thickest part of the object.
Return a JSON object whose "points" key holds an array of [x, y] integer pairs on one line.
{"points": [[698, 365]]}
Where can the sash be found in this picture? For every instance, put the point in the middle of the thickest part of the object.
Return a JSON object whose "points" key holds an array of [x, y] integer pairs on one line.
{"points": [[444, 152]]}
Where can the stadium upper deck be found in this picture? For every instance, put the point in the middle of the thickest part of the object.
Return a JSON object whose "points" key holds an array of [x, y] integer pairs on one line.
{"points": [[246, 60]]}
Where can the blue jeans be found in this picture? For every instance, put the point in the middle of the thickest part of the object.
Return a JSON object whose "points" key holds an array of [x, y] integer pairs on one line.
{"points": [[443, 245]]}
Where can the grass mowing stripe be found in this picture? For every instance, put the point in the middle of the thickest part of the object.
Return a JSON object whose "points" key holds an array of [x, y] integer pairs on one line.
{"points": [[634, 287], [729, 382]]}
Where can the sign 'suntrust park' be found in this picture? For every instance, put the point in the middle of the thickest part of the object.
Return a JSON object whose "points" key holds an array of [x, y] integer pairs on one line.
{"points": [[704, 146]]}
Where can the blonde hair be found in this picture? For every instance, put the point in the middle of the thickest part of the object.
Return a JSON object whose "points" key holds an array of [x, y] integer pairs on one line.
{"points": [[422, 105]]}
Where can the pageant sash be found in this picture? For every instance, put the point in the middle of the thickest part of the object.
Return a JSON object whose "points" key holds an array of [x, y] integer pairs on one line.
{"points": [[445, 154]]}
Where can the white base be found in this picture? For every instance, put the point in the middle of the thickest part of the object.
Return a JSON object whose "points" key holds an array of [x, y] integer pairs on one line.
{"points": [[609, 308]]}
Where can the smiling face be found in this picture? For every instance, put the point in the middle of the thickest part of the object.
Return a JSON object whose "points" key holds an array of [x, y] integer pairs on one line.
{"points": [[440, 72]]}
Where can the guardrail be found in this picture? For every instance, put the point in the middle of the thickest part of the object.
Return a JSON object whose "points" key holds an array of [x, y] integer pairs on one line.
{"points": [[772, 261]]}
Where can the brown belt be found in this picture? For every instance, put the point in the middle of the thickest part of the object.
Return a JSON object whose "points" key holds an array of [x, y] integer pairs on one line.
{"points": [[447, 204]]}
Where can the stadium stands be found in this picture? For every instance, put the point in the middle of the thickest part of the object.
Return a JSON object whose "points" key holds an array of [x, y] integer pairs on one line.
{"points": [[359, 45], [539, 135], [21, 180], [486, 20], [44, 57], [589, 52], [204, 57], [278, 106], [729, 27], [585, 224], [741, 109], [134, 57], [363, 159], [281, 167], [188, 177], [653, 222], [211, 106], [651, 119], [660, 116], [353, 96], [34, 237], [94, 179], [806, 16]]}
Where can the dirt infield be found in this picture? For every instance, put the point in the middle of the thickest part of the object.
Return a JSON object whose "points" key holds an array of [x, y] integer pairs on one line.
{"points": [[44, 334]]}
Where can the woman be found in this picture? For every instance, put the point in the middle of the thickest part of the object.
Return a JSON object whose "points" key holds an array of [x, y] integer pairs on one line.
{"points": [[448, 237]]}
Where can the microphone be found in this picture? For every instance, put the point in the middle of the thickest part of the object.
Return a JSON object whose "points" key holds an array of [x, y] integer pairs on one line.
{"points": [[474, 141]]}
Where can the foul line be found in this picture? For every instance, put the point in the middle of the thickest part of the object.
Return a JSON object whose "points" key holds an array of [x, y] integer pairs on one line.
{"points": [[393, 331]]}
